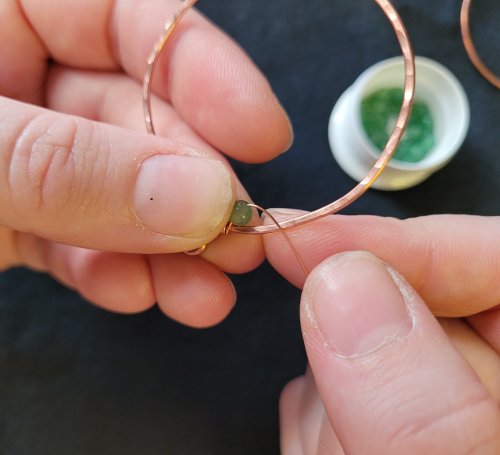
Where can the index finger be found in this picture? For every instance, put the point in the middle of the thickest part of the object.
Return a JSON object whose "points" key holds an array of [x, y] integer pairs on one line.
{"points": [[453, 261], [209, 80]]}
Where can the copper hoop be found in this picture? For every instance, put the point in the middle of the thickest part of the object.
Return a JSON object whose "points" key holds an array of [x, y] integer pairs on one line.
{"points": [[471, 49], [389, 149]]}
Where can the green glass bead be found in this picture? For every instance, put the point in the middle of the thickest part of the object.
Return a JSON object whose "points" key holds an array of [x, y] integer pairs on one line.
{"points": [[242, 213], [379, 112]]}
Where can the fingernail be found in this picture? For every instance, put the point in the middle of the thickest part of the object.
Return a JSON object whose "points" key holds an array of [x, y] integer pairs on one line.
{"points": [[357, 305], [182, 195]]}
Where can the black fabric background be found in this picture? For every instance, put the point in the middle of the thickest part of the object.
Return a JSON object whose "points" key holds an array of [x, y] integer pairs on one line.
{"points": [[77, 380]]}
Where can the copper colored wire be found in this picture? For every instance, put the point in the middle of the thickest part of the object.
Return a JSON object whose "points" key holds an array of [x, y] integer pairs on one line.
{"points": [[197, 251], [379, 165], [471, 49], [147, 86], [389, 149], [288, 240]]}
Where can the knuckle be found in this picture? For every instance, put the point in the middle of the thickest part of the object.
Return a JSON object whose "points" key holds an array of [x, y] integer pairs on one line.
{"points": [[42, 150], [52, 165]]}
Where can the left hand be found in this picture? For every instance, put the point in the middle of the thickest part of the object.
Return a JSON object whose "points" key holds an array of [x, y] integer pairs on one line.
{"points": [[71, 200]]}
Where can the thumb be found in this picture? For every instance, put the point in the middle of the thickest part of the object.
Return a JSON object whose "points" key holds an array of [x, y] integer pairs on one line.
{"points": [[390, 379], [93, 185]]}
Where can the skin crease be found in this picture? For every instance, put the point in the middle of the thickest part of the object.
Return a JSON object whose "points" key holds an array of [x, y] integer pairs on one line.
{"points": [[100, 83]]}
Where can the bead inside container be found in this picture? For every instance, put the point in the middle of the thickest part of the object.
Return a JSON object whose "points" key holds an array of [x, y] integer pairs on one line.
{"points": [[437, 129]]}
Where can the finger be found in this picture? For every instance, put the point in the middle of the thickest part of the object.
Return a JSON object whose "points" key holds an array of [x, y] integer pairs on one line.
{"points": [[316, 431], [191, 290], [487, 324], [235, 253], [113, 281], [75, 181], [209, 80], [290, 407], [480, 355], [188, 289], [303, 422], [312, 413], [114, 98], [24, 58], [453, 261], [328, 442], [390, 379]]}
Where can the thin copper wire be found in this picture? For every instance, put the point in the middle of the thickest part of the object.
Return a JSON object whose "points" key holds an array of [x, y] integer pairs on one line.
{"points": [[197, 251], [378, 167], [147, 88], [290, 243], [471, 49], [389, 149]]}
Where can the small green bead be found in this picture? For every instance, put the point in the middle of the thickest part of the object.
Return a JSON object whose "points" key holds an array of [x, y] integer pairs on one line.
{"points": [[379, 112], [242, 213]]}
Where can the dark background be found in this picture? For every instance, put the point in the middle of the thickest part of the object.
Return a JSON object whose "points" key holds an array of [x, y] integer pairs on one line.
{"points": [[77, 380]]}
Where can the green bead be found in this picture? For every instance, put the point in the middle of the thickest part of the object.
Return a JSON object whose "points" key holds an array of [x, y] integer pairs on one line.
{"points": [[242, 213], [379, 112]]}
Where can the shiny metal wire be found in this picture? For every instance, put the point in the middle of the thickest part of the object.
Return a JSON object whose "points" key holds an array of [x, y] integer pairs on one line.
{"points": [[471, 49], [391, 146], [147, 88]]}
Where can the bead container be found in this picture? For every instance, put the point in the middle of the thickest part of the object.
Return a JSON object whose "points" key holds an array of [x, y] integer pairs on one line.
{"points": [[437, 90]]}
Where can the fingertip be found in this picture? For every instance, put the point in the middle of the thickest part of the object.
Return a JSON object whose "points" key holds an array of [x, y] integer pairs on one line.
{"points": [[381, 360], [265, 129], [113, 281], [348, 285], [192, 291], [290, 398], [289, 408], [235, 253], [229, 103], [183, 196]]}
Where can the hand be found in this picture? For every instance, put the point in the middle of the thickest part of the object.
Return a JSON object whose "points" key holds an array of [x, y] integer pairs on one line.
{"points": [[70, 178], [385, 376]]}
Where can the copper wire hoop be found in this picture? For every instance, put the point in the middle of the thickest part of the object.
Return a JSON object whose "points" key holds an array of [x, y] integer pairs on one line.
{"points": [[153, 60], [471, 49], [389, 149]]}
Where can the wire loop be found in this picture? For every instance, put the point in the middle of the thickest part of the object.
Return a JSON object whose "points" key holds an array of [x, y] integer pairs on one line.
{"points": [[389, 150]]}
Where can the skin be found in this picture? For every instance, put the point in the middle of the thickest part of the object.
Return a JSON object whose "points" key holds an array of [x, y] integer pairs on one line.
{"points": [[436, 389], [71, 78]]}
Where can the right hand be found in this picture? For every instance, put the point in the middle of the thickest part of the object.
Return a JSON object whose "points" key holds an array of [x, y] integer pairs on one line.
{"points": [[385, 376]]}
